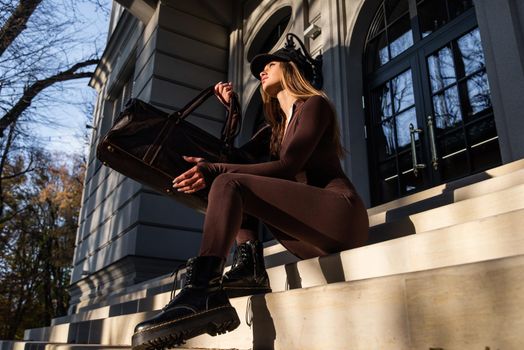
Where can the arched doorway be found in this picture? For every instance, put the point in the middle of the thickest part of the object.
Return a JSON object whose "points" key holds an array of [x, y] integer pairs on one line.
{"points": [[429, 117]]}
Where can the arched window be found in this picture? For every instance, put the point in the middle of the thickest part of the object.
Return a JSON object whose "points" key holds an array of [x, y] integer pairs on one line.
{"points": [[429, 116], [270, 33]]}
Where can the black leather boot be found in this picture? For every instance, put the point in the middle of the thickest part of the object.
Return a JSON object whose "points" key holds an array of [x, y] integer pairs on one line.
{"points": [[248, 274], [200, 307]]}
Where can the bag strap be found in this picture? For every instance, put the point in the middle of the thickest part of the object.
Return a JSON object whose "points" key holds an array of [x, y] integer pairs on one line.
{"points": [[194, 103], [233, 122]]}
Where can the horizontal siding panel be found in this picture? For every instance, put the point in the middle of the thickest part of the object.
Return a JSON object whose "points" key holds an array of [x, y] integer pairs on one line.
{"points": [[145, 55], [164, 210], [144, 77], [193, 27], [218, 12], [172, 95], [145, 92], [108, 205], [193, 50], [176, 69], [167, 243]]}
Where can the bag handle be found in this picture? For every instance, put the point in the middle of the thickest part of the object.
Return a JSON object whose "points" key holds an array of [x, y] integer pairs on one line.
{"points": [[194, 103], [233, 122]]}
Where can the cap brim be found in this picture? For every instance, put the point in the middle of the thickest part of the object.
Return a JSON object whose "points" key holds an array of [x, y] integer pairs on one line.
{"points": [[259, 62]]}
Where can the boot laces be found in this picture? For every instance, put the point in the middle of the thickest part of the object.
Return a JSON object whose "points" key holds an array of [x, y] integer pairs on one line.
{"points": [[244, 253], [189, 271], [241, 255]]}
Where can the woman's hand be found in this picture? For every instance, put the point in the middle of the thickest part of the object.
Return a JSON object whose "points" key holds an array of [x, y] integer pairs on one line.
{"points": [[192, 180], [224, 91]]}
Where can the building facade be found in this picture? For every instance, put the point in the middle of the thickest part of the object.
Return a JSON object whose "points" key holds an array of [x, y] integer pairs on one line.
{"points": [[426, 92]]}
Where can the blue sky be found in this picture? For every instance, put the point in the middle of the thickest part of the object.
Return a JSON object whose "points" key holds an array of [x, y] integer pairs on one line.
{"points": [[66, 131]]}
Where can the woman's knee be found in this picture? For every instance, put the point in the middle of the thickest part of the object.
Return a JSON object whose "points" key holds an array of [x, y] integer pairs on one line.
{"points": [[227, 182]]}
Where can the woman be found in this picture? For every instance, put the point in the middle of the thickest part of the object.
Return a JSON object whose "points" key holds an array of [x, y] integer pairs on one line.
{"points": [[304, 197]]}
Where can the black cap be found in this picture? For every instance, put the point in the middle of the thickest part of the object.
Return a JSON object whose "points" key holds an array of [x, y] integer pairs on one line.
{"points": [[309, 67]]}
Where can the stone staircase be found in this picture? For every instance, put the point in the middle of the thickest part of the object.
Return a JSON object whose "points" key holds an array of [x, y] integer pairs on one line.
{"points": [[444, 271]]}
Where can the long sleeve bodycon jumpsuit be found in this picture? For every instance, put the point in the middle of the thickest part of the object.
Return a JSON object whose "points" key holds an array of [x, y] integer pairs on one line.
{"points": [[304, 197]]}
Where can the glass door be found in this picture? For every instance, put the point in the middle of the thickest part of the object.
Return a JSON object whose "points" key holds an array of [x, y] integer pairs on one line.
{"points": [[429, 115], [459, 117]]}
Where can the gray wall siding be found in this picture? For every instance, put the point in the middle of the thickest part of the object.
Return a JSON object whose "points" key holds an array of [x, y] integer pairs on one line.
{"points": [[110, 204], [501, 25], [121, 221]]}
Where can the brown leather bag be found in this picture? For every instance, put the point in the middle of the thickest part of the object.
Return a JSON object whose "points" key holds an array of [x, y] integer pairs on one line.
{"points": [[147, 145]]}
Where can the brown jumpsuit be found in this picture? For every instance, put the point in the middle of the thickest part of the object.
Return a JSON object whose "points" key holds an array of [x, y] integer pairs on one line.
{"points": [[304, 197]]}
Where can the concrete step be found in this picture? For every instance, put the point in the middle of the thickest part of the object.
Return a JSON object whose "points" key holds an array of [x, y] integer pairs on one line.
{"points": [[466, 212], [479, 207], [469, 306], [450, 187], [391, 223], [449, 197], [31, 345], [502, 193], [497, 179], [490, 238]]}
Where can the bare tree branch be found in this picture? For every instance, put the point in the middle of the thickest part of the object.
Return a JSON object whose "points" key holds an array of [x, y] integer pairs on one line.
{"points": [[16, 22], [28, 169], [30, 92]]}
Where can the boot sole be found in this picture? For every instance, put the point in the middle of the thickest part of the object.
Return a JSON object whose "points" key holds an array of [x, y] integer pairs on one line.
{"points": [[233, 292], [169, 334]]}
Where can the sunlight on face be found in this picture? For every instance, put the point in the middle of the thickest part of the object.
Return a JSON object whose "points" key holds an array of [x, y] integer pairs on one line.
{"points": [[271, 78]]}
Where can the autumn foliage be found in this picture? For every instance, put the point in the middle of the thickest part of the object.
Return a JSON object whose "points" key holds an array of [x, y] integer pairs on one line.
{"points": [[40, 201]]}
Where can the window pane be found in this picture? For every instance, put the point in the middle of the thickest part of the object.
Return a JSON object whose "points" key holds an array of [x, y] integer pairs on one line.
{"points": [[386, 140], [383, 102], [275, 34], [454, 166], [486, 155], [402, 122], [395, 9], [478, 93], [471, 52], [482, 137], [453, 160], [446, 107], [481, 131], [451, 145], [432, 15], [441, 69], [377, 52], [388, 180], [402, 89], [384, 129], [456, 8], [400, 36]]}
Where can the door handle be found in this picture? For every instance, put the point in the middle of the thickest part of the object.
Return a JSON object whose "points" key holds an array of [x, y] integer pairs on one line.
{"points": [[432, 143], [416, 165]]}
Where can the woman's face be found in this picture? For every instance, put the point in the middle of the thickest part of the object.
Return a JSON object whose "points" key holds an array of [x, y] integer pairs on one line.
{"points": [[271, 78]]}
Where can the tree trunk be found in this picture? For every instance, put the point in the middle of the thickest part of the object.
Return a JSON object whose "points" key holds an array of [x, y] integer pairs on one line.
{"points": [[16, 23]]}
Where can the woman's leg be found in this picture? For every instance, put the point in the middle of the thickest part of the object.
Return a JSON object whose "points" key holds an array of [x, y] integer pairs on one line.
{"points": [[248, 230], [321, 221]]}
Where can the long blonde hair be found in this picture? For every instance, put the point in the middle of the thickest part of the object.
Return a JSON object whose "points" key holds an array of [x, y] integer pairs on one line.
{"points": [[299, 88]]}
